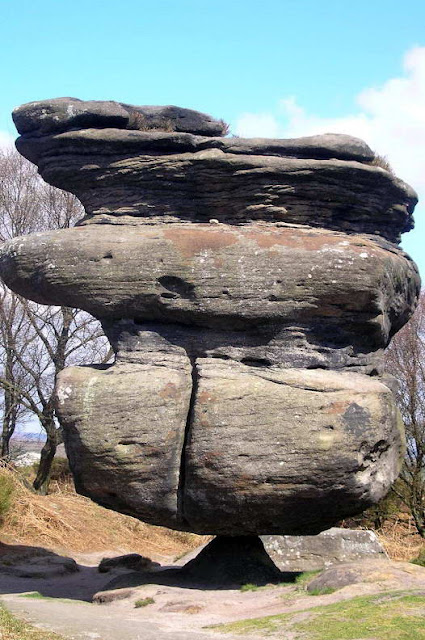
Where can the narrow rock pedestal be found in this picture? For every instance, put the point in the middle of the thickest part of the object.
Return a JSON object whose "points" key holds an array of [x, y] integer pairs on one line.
{"points": [[226, 562], [233, 560]]}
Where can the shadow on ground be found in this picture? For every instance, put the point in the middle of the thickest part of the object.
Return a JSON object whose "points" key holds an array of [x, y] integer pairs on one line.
{"points": [[181, 577], [25, 569], [218, 566]]}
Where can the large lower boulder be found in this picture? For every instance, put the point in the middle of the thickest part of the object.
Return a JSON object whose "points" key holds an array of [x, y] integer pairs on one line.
{"points": [[228, 448]]}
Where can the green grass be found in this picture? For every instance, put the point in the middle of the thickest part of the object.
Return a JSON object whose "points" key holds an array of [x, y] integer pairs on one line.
{"points": [[324, 591], [396, 616], [306, 576], [36, 595], [300, 582], [249, 587], [144, 602], [13, 629], [420, 560]]}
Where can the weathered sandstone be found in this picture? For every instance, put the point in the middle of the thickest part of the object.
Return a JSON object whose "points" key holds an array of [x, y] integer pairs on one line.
{"points": [[248, 288]]}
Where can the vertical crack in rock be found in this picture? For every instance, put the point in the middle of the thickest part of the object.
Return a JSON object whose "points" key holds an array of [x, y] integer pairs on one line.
{"points": [[187, 430]]}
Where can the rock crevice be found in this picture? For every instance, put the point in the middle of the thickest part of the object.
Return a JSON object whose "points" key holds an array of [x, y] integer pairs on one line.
{"points": [[181, 492]]}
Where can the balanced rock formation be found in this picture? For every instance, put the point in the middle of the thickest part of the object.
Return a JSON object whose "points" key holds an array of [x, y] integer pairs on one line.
{"points": [[248, 288]]}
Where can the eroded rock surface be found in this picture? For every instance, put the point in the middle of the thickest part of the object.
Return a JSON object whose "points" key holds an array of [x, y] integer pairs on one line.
{"points": [[171, 164], [248, 288]]}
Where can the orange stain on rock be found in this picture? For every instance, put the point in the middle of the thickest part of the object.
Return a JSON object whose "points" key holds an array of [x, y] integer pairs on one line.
{"points": [[192, 241], [205, 396], [337, 407], [310, 240], [169, 391]]}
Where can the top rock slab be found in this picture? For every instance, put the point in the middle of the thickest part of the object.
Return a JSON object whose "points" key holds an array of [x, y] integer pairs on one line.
{"points": [[47, 117], [167, 164], [59, 115]]}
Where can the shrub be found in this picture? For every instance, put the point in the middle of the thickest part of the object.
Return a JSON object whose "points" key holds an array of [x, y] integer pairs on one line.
{"points": [[144, 602], [303, 578], [226, 129], [60, 470], [320, 591], [376, 516], [6, 493]]}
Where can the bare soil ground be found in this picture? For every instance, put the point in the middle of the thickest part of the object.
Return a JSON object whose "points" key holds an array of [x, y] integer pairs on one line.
{"points": [[177, 612]]}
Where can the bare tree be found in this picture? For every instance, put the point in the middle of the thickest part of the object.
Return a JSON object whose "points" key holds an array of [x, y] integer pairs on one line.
{"points": [[38, 341], [27, 203], [11, 325], [405, 359], [55, 337]]}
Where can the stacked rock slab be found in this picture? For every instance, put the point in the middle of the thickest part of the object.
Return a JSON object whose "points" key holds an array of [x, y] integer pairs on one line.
{"points": [[248, 288]]}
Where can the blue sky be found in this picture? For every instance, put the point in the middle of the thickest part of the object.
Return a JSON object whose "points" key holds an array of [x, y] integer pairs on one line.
{"points": [[269, 67]]}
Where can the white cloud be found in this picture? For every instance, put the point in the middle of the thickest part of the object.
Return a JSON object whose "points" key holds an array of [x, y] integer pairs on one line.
{"points": [[6, 140], [258, 124], [390, 118]]}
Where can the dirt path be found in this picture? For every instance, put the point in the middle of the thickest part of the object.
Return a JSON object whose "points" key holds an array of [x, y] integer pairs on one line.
{"points": [[83, 621], [176, 612]]}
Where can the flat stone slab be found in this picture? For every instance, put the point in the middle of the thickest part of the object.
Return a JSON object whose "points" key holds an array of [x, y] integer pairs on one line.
{"points": [[386, 573], [221, 276], [130, 561], [334, 546], [167, 164]]}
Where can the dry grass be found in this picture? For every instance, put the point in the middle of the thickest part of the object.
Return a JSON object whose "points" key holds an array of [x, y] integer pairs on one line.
{"points": [[226, 129], [400, 538], [139, 122], [382, 161], [66, 522]]}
